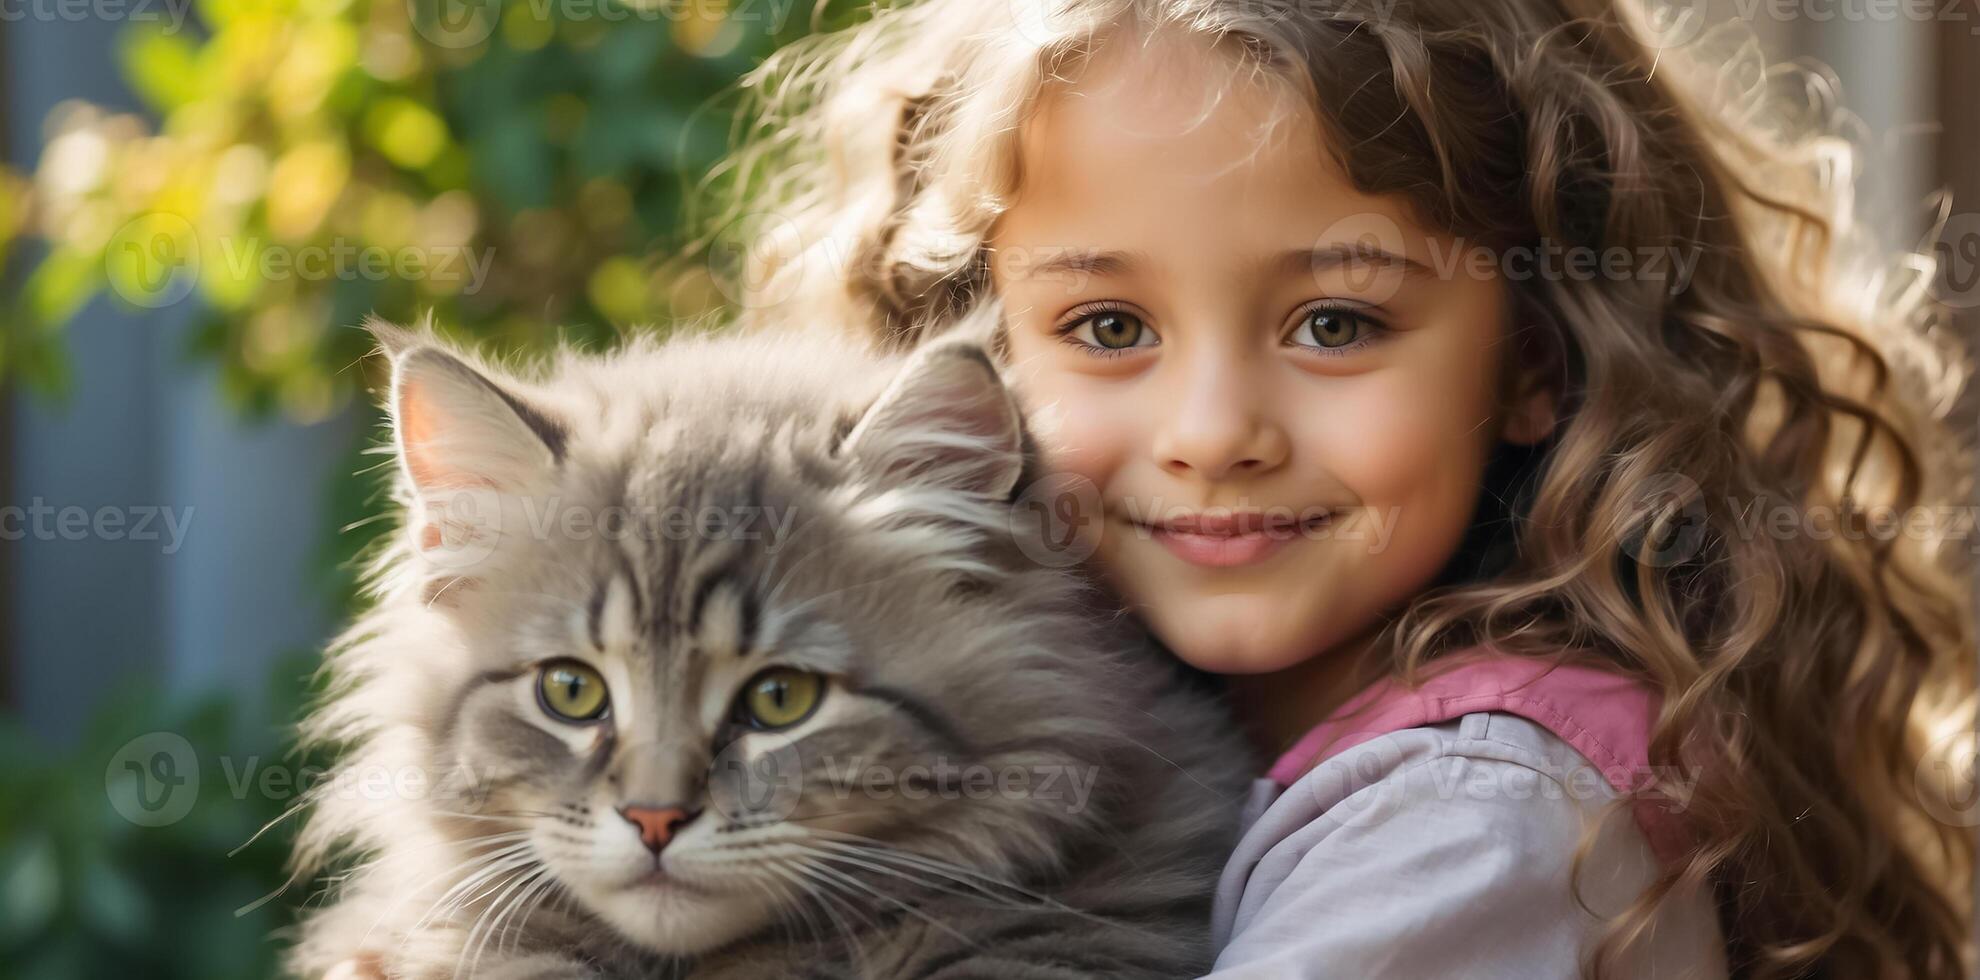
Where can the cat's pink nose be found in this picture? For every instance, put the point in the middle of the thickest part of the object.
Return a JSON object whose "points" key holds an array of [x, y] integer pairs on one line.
{"points": [[656, 824]]}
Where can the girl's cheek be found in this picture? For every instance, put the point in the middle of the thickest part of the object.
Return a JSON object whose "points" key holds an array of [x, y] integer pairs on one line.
{"points": [[1411, 451], [1081, 431]]}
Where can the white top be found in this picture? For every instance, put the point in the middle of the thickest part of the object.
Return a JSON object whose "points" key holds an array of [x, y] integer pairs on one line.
{"points": [[1444, 851]]}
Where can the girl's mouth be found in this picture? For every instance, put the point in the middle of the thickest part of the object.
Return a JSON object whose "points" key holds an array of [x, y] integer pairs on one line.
{"points": [[1228, 540]]}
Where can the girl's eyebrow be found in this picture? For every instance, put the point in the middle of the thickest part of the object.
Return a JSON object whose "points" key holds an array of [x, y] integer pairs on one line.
{"points": [[1086, 261], [1298, 261], [1352, 255]]}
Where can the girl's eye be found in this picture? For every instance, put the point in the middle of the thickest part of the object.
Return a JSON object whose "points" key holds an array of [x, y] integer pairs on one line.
{"points": [[1108, 332], [779, 697], [1334, 329], [572, 691]]}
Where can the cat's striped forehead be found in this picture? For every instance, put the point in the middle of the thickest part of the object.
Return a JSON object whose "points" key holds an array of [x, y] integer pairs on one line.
{"points": [[721, 544]]}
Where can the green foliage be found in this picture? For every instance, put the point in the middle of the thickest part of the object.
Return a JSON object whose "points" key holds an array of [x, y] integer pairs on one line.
{"points": [[518, 170], [86, 892]]}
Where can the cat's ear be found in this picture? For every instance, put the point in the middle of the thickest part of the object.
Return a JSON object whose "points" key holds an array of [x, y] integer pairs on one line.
{"points": [[457, 428], [946, 420]]}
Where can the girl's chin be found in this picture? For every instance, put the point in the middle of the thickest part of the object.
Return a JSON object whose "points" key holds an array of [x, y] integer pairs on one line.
{"points": [[1224, 645]]}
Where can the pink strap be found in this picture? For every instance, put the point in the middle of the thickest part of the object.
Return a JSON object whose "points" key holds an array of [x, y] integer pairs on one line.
{"points": [[1606, 716]]}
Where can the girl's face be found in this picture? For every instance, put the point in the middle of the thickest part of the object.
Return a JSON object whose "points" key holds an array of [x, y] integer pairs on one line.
{"points": [[1283, 392]]}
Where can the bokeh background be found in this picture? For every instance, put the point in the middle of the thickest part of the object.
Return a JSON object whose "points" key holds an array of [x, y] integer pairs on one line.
{"points": [[199, 202]]}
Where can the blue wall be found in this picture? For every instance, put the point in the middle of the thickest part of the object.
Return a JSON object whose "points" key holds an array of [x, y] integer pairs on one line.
{"points": [[145, 429]]}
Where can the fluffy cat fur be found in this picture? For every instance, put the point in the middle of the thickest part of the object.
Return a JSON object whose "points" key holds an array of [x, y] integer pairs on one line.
{"points": [[481, 835]]}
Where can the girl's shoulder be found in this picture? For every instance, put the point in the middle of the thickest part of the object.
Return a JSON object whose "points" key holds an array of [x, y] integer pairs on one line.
{"points": [[1457, 806], [1583, 723]]}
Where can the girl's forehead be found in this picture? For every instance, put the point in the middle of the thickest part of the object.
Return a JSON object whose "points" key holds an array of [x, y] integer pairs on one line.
{"points": [[1171, 147], [1166, 84]]}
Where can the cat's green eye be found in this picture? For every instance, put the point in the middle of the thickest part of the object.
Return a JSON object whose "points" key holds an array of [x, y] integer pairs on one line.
{"points": [[779, 697], [572, 691]]}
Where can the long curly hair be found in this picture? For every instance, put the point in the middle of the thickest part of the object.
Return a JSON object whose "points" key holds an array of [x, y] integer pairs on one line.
{"points": [[1752, 499]]}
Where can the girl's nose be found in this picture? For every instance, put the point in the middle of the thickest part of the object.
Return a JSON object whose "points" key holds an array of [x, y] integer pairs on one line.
{"points": [[1220, 425]]}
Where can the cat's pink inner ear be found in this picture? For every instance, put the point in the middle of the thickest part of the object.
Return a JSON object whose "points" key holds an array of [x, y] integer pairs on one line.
{"points": [[424, 431], [460, 429]]}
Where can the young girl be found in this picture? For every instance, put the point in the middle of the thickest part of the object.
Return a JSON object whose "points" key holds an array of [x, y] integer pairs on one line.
{"points": [[1503, 401]]}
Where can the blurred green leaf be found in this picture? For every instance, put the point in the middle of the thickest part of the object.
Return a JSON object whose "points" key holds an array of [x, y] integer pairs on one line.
{"points": [[162, 66], [30, 888]]}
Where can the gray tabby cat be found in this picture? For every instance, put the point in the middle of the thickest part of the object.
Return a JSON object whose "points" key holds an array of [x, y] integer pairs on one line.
{"points": [[720, 658]]}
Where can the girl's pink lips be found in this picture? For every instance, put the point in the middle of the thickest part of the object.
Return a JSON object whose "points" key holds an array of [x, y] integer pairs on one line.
{"points": [[1226, 540]]}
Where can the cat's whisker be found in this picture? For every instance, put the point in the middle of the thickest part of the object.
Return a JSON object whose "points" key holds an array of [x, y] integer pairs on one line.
{"points": [[959, 874], [510, 843], [792, 868], [494, 868], [853, 944], [791, 903], [979, 894], [512, 817], [308, 798], [784, 859], [524, 906], [903, 906], [498, 911]]}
